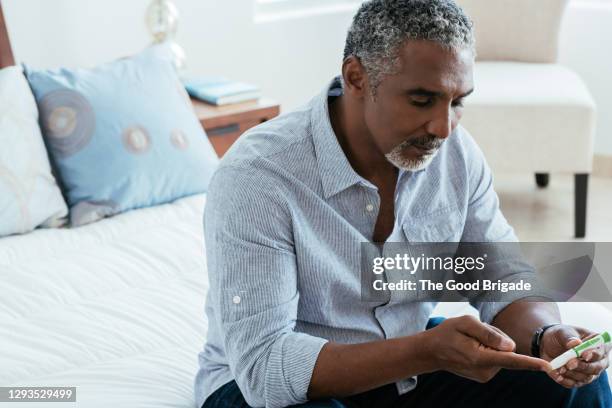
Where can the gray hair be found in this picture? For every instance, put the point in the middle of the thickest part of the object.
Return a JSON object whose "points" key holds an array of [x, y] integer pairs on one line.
{"points": [[381, 27]]}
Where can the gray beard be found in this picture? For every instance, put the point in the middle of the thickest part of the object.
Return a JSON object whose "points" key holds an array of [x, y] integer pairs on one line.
{"points": [[396, 158]]}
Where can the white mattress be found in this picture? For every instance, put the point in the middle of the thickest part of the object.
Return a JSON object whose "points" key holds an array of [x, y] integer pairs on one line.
{"points": [[115, 308]]}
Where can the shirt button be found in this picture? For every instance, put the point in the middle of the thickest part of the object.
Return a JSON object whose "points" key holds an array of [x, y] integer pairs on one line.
{"points": [[369, 208], [236, 299]]}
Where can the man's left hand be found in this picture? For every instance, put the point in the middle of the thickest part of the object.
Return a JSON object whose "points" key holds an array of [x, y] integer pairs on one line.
{"points": [[578, 371]]}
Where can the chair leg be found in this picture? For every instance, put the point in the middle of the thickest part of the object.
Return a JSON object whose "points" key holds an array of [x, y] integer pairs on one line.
{"points": [[542, 179], [581, 183]]}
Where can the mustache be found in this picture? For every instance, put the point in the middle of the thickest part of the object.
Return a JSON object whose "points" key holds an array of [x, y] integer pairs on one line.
{"points": [[427, 142]]}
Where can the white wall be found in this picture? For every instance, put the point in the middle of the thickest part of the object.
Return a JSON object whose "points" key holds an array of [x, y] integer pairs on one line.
{"points": [[586, 48], [291, 59]]}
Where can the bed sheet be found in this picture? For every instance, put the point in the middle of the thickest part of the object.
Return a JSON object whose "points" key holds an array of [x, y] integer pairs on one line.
{"points": [[115, 308]]}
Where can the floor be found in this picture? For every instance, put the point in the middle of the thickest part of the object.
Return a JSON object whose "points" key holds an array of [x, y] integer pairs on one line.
{"points": [[548, 214], [545, 215]]}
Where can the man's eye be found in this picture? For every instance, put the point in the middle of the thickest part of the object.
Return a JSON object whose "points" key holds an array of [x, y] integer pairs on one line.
{"points": [[458, 103], [421, 102]]}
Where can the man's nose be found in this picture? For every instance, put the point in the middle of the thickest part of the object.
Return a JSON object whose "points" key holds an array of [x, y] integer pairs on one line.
{"points": [[441, 125]]}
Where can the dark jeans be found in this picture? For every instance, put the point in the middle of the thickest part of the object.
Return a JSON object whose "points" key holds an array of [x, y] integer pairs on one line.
{"points": [[509, 388]]}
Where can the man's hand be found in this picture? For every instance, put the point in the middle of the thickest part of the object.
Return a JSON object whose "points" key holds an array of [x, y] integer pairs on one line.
{"points": [[475, 350], [579, 371]]}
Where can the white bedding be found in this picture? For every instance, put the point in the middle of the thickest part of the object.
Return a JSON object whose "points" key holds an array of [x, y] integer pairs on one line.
{"points": [[115, 308]]}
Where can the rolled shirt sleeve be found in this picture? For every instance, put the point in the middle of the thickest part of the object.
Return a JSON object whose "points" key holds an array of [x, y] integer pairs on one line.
{"points": [[485, 223], [252, 269]]}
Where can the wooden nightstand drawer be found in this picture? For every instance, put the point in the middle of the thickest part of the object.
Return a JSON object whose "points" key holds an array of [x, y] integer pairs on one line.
{"points": [[225, 124]]}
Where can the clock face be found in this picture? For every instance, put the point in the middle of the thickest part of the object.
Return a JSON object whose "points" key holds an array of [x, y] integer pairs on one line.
{"points": [[162, 19]]}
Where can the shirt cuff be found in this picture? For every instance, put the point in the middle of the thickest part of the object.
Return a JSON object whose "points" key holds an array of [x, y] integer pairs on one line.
{"points": [[289, 370]]}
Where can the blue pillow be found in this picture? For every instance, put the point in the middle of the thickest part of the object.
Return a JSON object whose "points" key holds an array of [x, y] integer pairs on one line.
{"points": [[122, 136]]}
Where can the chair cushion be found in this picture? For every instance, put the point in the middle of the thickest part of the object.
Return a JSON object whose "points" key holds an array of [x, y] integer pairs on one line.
{"points": [[29, 194], [516, 30], [531, 117], [123, 135]]}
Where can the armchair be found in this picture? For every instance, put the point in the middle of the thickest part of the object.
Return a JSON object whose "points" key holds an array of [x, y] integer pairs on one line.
{"points": [[528, 113]]}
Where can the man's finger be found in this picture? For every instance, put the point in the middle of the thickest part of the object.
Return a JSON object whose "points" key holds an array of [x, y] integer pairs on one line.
{"points": [[504, 335], [564, 381], [487, 335], [572, 364], [568, 336], [588, 336], [514, 361], [577, 376], [588, 368], [595, 354], [583, 333]]}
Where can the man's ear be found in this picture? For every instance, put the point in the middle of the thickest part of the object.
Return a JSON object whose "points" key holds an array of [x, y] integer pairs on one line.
{"points": [[355, 77]]}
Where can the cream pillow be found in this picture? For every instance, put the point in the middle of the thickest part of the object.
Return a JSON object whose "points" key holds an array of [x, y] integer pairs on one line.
{"points": [[29, 194]]}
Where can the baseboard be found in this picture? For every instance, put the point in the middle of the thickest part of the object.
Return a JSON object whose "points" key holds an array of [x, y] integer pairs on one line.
{"points": [[602, 165]]}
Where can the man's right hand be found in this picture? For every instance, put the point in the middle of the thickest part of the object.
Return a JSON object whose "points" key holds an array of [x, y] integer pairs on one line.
{"points": [[469, 348]]}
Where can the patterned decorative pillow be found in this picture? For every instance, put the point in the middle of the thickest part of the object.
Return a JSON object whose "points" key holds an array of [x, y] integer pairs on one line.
{"points": [[29, 195], [122, 136]]}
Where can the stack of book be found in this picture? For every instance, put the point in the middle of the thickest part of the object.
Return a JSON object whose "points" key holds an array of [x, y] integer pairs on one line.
{"points": [[220, 90]]}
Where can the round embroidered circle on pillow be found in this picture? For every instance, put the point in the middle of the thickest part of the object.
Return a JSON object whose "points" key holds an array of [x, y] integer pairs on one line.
{"points": [[68, 120], [136, 139], [179, 139]]}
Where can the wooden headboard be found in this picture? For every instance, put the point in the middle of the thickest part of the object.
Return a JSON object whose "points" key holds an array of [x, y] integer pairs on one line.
{"points": [[6, 54]]}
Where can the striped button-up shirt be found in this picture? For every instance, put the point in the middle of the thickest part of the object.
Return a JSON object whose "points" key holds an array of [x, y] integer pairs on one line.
{"points": [[285, 216]]}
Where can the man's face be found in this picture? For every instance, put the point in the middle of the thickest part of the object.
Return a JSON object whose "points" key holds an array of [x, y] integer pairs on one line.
{"points": [[416, 109]]}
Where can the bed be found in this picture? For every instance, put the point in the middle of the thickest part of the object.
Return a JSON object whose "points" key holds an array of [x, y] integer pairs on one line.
{"points": [[115, 308]]}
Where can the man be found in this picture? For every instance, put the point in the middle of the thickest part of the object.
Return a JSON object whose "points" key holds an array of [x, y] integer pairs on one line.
{"points": [[378, 156]]}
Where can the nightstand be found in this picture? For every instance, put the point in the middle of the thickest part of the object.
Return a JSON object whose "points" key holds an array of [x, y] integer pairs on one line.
{"points": [[225, 124]]}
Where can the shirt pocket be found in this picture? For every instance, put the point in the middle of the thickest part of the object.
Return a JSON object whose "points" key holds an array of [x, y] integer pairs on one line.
{"points": [[440, 226]]}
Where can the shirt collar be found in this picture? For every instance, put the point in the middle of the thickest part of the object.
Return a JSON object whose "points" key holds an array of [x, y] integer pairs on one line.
{"points": [[335, 171]]}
